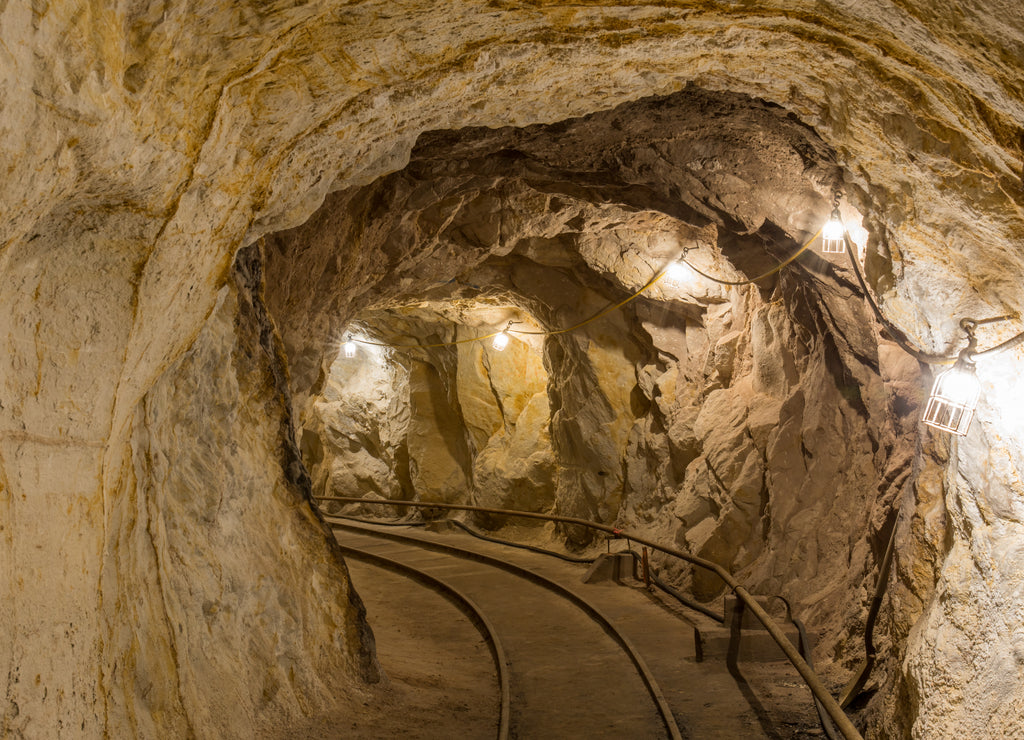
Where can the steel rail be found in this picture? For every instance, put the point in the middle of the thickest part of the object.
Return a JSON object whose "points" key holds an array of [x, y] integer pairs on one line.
{"points": [[464, 604], [814, 683], [646, 676]]}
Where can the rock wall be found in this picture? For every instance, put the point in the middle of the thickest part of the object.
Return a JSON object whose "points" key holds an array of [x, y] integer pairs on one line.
{"points": [[954, 608], [466, 423], [278, 631], [188, 596], [770, 429], [757, 434], [142, 145], [356, 439]]}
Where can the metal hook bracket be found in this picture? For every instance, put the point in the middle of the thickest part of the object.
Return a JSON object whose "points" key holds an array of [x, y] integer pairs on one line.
{"points": [[970, 327]]}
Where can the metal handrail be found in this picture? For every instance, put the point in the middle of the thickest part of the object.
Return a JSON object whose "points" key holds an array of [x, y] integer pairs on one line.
{"points": [[814, 683]]}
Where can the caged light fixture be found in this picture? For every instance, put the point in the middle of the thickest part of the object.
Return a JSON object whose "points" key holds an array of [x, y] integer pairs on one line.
{"points": [[833, 233], [679, 273], [501, 338], [955, 393]]}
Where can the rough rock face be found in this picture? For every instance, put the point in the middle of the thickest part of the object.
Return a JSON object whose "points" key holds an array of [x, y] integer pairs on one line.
{"points": [[763, 428], [356, 439], [466, 422], [142, 145], [191, 564]]}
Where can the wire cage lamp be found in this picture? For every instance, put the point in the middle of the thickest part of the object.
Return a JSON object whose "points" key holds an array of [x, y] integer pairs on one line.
{"points": [[501, 338], [833, 233], [954, 397], [955, 394]]}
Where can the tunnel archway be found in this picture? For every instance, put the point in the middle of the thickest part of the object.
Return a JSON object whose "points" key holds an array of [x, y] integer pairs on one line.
{"points": [[144, 162], [766, 426]]}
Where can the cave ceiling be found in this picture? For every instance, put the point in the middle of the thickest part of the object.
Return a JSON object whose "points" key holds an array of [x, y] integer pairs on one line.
{"points": [[604, 201]]}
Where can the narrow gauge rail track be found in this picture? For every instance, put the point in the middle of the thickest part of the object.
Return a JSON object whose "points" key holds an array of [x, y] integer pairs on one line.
{"points": [[570, 671], [464, 604], [825, 703]]}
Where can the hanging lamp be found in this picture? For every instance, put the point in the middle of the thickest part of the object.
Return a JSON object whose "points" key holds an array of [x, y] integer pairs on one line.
{"points": [[833, 239], [956, 391], [679, 273], [350, 349], [501, 338]]}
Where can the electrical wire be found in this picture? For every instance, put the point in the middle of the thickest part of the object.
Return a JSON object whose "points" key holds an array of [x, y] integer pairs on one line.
{"points": [[660, 274], [1008, 344], [427, 346], [898, 335], [901, 338], [762, 276], [604, 311]]}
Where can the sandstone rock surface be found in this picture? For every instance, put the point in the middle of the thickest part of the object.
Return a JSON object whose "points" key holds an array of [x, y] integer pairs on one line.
{"points": [[142, 145]]}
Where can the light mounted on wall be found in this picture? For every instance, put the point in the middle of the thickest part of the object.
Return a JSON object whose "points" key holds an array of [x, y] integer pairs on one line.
{"points": [[833, 233], [501, 338], [956, 391], [679, 273]]}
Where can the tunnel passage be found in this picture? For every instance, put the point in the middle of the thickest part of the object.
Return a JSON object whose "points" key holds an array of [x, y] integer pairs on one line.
{"points": [[157, 537], [766, 427]]}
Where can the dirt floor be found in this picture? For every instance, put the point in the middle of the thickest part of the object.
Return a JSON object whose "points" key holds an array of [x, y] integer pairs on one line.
{"points": [[440, 675], [440, 680]]}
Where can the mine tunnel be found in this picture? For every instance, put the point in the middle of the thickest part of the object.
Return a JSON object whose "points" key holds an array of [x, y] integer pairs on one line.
{"points": [[741, 282]]}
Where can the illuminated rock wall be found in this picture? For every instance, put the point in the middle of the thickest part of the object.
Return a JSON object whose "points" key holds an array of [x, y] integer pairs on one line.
{"points": [[214, 477], [461, 424], [771, 430], [750, 428], [143, 145]]}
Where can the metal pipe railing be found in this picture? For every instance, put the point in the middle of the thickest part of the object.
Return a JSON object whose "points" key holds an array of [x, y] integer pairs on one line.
{"points": [[814, 683]]}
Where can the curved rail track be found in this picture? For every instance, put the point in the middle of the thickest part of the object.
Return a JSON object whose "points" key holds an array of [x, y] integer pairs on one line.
{"points": [[829, 710], [465, 605], [564, 668]]}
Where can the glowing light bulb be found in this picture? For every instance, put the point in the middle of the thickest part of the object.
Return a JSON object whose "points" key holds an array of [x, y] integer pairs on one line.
{"points": [[500, 341], [832, 241], [350, 348], [679, 273], [953, 399]]}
